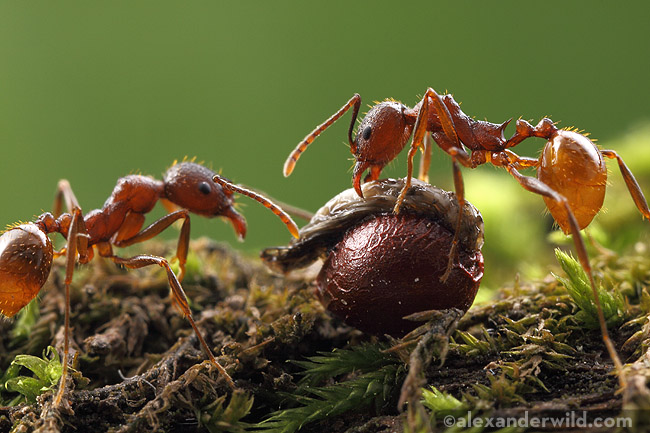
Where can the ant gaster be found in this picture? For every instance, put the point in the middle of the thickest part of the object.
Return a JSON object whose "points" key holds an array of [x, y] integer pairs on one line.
{"points": [[26, 252], [571, 173]]}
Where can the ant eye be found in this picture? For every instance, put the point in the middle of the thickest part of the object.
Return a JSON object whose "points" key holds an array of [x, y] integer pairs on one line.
{"points": [[366, 132], [204, 187]]}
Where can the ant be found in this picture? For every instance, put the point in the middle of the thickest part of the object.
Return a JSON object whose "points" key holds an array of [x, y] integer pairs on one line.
{"points": [[571, 172], [26, 251]]}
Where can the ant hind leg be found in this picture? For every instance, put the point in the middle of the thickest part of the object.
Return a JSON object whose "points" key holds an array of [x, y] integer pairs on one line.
{"points": [[536, 186], [156, 228], [179, 298], [630, 181]]}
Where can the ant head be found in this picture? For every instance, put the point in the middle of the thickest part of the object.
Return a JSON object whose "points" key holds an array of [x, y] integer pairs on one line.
{"points": [[190, 186], [382, 133], [381, 136], [25, 262]]}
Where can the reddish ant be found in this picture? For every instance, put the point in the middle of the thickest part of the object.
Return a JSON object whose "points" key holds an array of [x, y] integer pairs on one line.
{"points": [[571, 172], [26, 252]]}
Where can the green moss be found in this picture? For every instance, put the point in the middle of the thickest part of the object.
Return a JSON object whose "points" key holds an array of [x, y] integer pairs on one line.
{"points": [[531, 347], [579, 288]]}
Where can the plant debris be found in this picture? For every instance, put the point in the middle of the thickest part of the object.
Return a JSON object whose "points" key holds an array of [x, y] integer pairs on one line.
{"points": [[531, 352]]}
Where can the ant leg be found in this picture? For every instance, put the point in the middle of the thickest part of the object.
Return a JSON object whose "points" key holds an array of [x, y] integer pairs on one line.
{"points": [[536, 186], [155, 229], [425, 161], [355, 101], [64, 193], [460, 197], [77, 243], [179, 298], [630, 181], [449, 142], [458, 155], [407, 180], [603, 251], [520, 162], [526, 162], [421, 129]]}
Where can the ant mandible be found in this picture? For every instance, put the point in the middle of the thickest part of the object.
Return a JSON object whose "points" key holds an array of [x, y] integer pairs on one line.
{"points": [[26, 251], [571, 172]]}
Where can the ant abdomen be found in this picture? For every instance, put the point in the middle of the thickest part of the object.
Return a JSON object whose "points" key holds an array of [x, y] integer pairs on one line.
{"points": [[25, 262], [572, 165]]}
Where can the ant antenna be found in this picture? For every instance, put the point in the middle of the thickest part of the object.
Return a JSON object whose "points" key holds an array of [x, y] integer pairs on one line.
{"points": [[286, 219], [290, 163]]}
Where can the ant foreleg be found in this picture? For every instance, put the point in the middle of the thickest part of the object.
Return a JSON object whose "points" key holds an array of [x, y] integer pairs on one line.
{"points": [[355, 101], [448, 140], [421, 128], [156, 228], [179, 298], [538, 187], [630, 181], [419, 131], [407, 179]]}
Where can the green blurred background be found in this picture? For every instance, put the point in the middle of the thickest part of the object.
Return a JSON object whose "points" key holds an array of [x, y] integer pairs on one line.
{"points": [[92, 91]]}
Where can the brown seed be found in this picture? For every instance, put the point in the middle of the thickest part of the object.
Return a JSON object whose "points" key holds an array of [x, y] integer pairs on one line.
{"points": [[389, 267], [380, 267]]}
